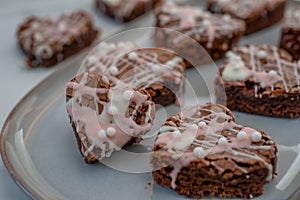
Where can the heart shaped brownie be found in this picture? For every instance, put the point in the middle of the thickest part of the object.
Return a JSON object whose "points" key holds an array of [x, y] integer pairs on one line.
{"points": [[203, 151]]}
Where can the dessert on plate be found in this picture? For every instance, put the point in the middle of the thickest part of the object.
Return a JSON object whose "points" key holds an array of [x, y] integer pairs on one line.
{"points": [[202, 151], [257, 14], [290, 33], [48, 40], [159, 71], [106, 114], [125, 10], [214, 32], [260, 80]]}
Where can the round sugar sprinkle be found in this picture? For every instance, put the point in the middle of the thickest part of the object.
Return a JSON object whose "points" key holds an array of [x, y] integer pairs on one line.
{"points": [[261, 54], [198, 152], [101, 134], [111, 132], [272, 74], [226, 17], [205, 23], [223, 141], [202, 124], [256, 136], [91, 60], [171, 63], [127, 94], [229, 54], [155, 68], [113, 70], [242, 135], [132, 56]]}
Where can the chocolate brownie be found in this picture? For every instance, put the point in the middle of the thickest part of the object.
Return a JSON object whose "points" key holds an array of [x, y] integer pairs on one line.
{"points": [[260, 80], [48, 40], [202, 151], [257, 14], [106, 114], [290, 33], [159, 71], [125, 10], [215, 33]]}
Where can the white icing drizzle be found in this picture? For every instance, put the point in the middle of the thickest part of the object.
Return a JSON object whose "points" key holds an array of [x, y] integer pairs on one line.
{"points": [[196, 23], [205, 141], [43, 36], [141, 71], [104, 130], [266, 70], [243, 8]]}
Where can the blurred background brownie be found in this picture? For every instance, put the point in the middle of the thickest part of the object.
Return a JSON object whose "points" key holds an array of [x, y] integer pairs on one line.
{"points": [[125, 10], [48, 40], [159, 71], [257, 14], [215, 33], [260, 80], [290, 36], [202, 151]]}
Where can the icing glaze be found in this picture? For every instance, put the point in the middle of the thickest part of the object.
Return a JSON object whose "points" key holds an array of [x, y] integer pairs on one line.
{"points": [[105, 128], [268, 70], [43, 36], [137, 68], [202, 142], [196, 23]]}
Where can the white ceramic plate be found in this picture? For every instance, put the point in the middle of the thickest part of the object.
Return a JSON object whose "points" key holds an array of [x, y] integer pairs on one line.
{"points": [[40, 152]]}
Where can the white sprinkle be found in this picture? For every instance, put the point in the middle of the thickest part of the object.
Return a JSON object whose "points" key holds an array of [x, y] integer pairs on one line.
{"points": [[171, 63], [112, 46], [229, 54], [193, 127], [132, 56], [155, 68], [226, 18], [298, 63], [202, 124], [127, 94], [112, 110], [113, 70], [198, 152], [101, 134], [251, 196], [178, 59], [247, 176], [111, 132], [38, 37], [242, 135], [205, 22], [256, 136], [62, 27], [91, 60], [261, 54], [272, 74], [176, 133], [223, 141]]}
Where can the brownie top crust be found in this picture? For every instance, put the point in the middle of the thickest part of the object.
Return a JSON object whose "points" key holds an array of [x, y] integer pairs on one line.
{"points": [[106, 113], [292, 19], [138, 68], [208, 135], [266, 69], [197, 23], [244, 9], [45, 37]]}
